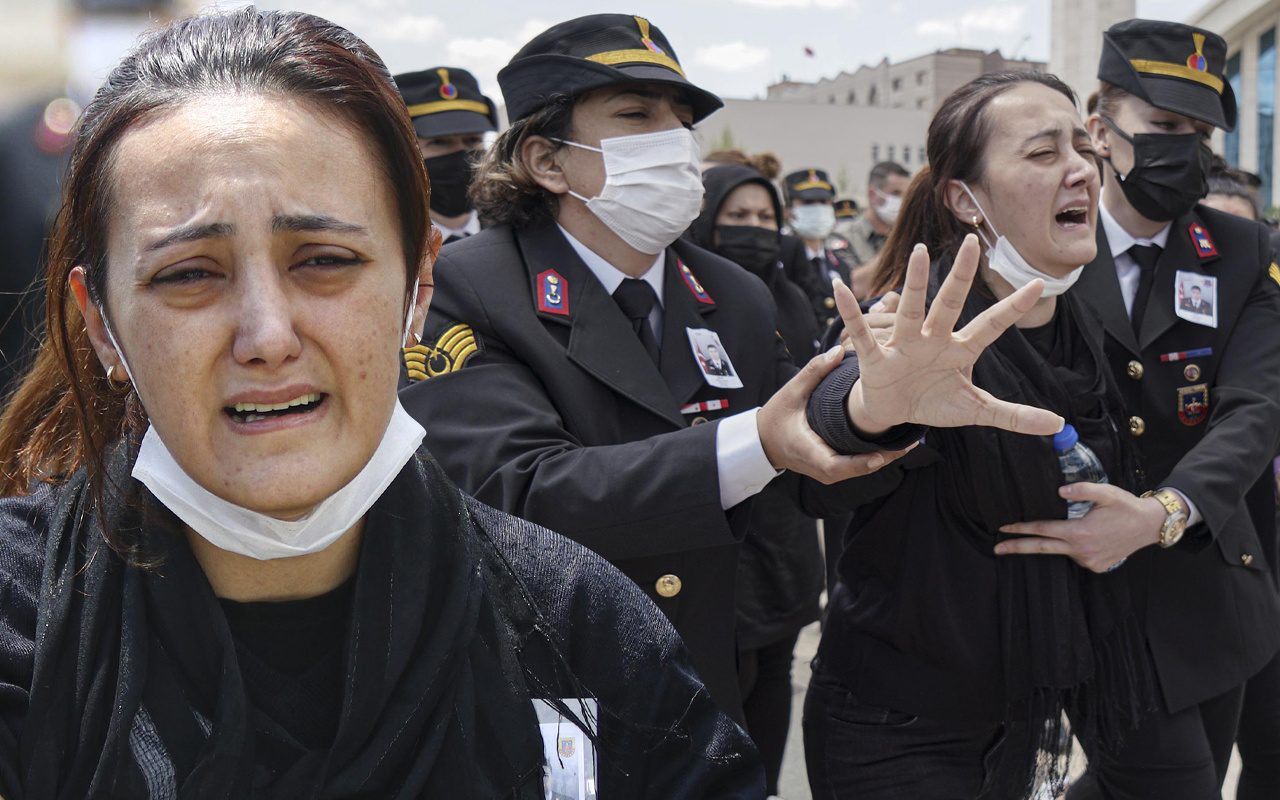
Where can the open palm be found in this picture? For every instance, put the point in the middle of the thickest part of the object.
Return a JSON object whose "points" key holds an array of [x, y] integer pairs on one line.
{"points": [[923, 373]]}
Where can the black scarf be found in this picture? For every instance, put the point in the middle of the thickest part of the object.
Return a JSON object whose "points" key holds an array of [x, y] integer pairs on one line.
{"points": [[1069, 637], [435, 703]]}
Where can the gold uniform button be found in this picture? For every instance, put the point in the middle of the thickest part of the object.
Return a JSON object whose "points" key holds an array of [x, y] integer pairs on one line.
{"points": [[668, 586], [830, 302], [1136, 370], [1137, 426], [1246, 559]]}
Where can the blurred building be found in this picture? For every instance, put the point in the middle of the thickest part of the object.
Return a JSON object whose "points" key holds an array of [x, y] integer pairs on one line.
{"points": [[1249, 26], [844, 140], [920, 83], [1075, 39]]}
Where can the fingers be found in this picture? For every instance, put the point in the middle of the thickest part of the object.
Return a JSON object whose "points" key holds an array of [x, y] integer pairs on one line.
{"points": [[776, 418], [910, 316], [864, 342], [836, 468], [1034, 545], [802, 384], [949, 301], [1101, 493], [887, 304], [990, 324], [1016, 417]]}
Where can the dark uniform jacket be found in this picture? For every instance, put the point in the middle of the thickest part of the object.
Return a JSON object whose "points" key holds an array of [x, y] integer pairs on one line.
{"points": [[1207, 426], [551, 409], [815, 283]]}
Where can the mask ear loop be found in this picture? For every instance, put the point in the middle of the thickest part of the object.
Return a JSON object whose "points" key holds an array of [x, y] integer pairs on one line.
{"points": [[981, 234], [408, 317], [571, 192], [1116, 130], [132, 376]]}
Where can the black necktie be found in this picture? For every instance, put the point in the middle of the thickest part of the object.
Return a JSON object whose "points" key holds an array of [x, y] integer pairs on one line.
{"points": [[1146, 257], [636, 299]]}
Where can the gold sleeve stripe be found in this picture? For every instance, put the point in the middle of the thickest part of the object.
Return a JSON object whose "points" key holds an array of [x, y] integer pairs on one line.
{"points": [[1274, 272]]}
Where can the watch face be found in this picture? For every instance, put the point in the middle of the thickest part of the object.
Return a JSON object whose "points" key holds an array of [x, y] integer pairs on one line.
{"points": [[1176, 529]]}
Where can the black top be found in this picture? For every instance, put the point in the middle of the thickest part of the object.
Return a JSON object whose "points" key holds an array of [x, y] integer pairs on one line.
{"points": [[291, 656]]}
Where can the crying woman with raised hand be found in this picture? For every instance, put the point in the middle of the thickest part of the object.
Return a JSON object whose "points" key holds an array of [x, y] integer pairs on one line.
{"points": [[948, 661], [229, 569]]}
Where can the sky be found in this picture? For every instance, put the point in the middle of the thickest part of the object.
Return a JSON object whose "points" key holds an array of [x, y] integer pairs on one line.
{"points": [[735, 48]]}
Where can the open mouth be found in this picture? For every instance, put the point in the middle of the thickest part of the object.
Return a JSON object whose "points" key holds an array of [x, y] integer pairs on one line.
{"points": [[1073, 217], [256, 412]]}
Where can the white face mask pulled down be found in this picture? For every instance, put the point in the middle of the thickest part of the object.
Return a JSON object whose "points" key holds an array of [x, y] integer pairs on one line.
{"points": [[813, 222], [251, 533], [653, 187], [1005, 261]]}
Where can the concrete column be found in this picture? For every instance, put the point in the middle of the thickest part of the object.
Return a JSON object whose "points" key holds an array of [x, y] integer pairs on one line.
{"points": [[1076, 39]]}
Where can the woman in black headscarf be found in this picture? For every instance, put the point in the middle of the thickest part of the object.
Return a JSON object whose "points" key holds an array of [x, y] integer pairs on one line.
{"points": [[780, 572], [227, 567]]}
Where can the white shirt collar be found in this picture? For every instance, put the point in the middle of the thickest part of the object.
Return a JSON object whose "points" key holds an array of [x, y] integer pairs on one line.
{"points": [[812, 254], [610, 276], [1120, 240], [469, 228]]}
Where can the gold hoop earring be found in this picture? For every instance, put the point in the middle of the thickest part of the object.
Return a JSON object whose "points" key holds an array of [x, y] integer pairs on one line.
{"points": [[111, 372], [976, 222]]}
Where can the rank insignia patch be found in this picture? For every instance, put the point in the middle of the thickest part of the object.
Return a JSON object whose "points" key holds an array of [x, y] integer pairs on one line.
{"points": [[1193, 404], [1201, 242], [552, 293], [1274, 272], [694, 286], [450, 353]]}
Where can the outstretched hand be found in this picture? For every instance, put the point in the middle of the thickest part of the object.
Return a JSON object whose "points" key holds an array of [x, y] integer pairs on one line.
{"points": [[923, 373]]}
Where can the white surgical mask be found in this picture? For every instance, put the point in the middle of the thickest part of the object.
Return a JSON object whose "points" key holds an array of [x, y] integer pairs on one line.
{"points": [[251, 533], [652, 189], [813, 221], [1009, 264], [887, 210]]}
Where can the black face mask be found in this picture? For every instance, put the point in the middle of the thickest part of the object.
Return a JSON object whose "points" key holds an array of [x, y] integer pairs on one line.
{"points": [[754, 249], [1169, 175], [450, 176]]}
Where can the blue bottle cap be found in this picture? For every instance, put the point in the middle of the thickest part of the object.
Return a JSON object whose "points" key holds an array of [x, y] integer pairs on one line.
{"points": [[1065, 439]]}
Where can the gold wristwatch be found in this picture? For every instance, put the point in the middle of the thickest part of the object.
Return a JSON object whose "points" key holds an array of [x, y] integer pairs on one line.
{"points": [[1175, 523]]}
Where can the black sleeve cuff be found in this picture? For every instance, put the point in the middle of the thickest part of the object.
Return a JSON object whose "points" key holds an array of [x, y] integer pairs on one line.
{"points": [[829, 416]]}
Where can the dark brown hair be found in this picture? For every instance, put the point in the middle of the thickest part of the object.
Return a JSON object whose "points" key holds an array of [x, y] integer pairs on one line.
{"points": [[65, 412], [957, 138], [503, 190]]}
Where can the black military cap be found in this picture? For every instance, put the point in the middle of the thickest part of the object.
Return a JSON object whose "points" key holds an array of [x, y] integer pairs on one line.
{"points": [[809, 184], [445, 101], [591, 52], [846, 207], [1172, 66]]}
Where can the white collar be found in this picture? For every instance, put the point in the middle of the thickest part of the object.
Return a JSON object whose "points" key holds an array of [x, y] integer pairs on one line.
{"points": [[1120, 240], [469, 228], [610, 276], [812, 254]]}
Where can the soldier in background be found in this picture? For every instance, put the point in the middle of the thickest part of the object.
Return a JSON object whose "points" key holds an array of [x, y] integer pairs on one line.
{"points": [[33, 152], [866, 235], [451, 117]]}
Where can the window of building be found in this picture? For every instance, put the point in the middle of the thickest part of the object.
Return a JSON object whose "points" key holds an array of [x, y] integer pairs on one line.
{"points": [[921, 155], [875, 154], [897, 84], [871, 97], [890, 152], [1231, 141], [853, 97], [906, 155], [831, 99], [1266, 110], [920, 78], [920, 102]]}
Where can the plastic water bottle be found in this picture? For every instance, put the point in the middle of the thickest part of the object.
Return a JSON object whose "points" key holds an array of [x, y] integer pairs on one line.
{"points": [[1079, 465]]}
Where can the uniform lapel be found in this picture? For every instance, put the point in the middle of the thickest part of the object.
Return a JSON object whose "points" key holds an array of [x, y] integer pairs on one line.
{"points": [[1179, 253], [1099, 286], [681, 310], [601, 340]]}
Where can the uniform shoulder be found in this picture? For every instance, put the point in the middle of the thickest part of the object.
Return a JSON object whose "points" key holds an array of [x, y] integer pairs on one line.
{"points": [[723, 279], [492, 249], [1227, 228]]}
